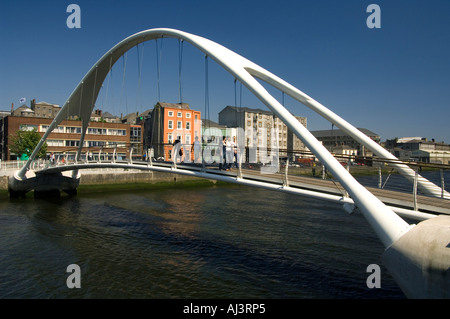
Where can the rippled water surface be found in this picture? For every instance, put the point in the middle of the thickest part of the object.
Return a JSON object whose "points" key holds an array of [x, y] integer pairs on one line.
{"points": [[203, 242]]}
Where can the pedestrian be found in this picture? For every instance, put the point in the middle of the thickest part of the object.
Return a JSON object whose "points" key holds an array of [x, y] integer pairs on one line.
{"points": [[223, 154], [229, 153], [52, 158], [235, 149], [197, 150]]}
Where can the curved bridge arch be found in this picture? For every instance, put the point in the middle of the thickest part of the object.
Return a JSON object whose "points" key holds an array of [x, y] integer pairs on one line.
{"points": [[405, 252], [81, 102]]}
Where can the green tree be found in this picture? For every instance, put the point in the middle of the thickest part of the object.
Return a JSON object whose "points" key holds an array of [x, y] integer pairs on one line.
{"points": [[24, 142]]}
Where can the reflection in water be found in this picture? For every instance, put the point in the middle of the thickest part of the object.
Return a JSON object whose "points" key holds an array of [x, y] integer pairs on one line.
{"points": [[217, 242]]}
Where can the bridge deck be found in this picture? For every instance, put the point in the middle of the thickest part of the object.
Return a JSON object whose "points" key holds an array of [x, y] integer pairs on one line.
{"points": [[389, 197], [393, 198]]}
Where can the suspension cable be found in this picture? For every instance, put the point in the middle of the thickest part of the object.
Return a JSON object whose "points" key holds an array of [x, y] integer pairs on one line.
{"points": [[206, 90], [107, 84], [124, 59], [180, 63], [158, 67], [140, 63]]}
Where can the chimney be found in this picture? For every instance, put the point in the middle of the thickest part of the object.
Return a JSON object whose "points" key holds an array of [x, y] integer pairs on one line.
{"points": [[12, 108]]}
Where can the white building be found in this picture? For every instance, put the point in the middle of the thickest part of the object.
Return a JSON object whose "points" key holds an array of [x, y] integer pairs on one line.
{"points": [[263, 130]]}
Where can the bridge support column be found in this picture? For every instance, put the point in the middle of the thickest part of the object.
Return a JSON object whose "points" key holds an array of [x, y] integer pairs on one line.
{"points": [[42, 183], [419, 261]]}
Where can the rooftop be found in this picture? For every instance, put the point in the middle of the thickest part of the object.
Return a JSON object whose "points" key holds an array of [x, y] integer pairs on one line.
{"points": [[338, 132], [181, 106]]}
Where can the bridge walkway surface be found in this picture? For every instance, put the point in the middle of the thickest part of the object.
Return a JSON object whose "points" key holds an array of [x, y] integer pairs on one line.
{"points": [[389, 197], [400, 199]]}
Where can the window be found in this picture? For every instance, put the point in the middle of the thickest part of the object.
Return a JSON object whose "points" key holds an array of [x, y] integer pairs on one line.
{"points": [[72, 143], [170, 138], [179, 125], [96, 143], [170, 113], [93, 130], [170, 125], [135, 134], [188, 115], [188, 138], [188, 125], [55, 142], [179, 114], [73, 130]]}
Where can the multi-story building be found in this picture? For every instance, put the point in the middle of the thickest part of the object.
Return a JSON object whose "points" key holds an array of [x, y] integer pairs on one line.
{"points": [[421, 150], [259, 126], [101, 137], [44, 109], [335, 139], [169, 122]]}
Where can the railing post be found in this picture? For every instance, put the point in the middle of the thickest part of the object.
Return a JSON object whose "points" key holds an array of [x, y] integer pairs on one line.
{"points": [[131, 155], [380, 178], [239, 165], [286, 180], [149, 156], [415, 188], [442, 183]]}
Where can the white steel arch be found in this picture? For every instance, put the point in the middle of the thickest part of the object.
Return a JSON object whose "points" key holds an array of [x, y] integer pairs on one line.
{"points": [[388, 225]]}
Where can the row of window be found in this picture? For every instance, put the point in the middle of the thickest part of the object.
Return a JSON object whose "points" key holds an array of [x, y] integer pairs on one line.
{"points": [[72, 143], [179, 125], [74, 129], [180, 114], [186, 140]]}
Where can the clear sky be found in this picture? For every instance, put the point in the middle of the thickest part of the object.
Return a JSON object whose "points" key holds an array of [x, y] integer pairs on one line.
{"points": [[394, 80]]}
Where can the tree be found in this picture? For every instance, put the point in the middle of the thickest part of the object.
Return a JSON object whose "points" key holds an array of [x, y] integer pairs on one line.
{"points": [[24, 142]]}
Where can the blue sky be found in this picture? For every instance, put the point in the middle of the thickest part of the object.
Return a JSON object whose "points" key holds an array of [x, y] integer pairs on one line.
{"points": [[394, 80]]}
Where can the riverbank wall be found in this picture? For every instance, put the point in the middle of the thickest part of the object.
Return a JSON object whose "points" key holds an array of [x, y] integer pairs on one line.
{"points": [[106, 177]]}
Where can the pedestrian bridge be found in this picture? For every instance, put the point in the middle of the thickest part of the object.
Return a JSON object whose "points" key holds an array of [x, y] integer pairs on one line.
{"points": [[418, 256]]}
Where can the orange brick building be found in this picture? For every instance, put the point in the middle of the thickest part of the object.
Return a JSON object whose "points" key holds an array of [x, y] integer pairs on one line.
{"points": [[169, 122]]}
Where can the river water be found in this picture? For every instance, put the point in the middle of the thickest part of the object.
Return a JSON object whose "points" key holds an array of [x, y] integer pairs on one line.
{"points": [[197, 242]]}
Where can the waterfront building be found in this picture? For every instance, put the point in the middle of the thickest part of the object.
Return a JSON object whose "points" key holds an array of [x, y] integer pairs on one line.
{"points": [[334, 141], [101, 137], [105, 133], [168, 122], [420, 149], [259, 127]]}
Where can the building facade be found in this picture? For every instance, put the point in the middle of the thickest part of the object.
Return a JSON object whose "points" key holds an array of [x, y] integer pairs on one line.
{"points": [[421, 150], [335, 140], [262, 129], [169, 122], [101, 138]]}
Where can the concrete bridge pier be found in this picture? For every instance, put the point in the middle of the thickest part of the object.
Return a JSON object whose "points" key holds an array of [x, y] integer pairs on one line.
{"points": [[420, 260], [44, 184]]}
